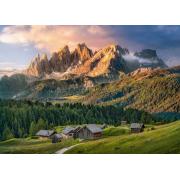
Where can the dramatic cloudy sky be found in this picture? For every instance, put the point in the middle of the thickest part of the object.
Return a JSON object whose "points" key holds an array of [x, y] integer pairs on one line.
{"points": [[19, 44]]}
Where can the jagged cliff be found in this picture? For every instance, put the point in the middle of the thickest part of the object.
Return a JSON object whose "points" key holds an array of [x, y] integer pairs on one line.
{"points": [[109, 61]]}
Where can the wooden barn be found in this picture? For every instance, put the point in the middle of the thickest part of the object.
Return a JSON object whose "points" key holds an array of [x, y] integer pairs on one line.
{"points": [[137, 127], [90, 131], [45, 133]]}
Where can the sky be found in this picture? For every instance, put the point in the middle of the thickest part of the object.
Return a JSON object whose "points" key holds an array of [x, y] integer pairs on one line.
{"points": [[19, 44]]}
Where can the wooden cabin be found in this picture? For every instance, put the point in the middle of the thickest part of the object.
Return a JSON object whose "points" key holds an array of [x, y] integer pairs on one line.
{"points": [[68, 132], [75, 132], [137, 127], [57, 138], [71, 132], [45, 133], [90, 131]]}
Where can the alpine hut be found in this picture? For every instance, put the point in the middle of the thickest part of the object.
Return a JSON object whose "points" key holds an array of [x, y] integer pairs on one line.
{"points": [[137, 127], [90, 131]]}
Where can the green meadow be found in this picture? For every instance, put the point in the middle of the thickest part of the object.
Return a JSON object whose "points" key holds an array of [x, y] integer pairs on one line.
{"points": [[33, 146], [162, 139], [156, 139]]}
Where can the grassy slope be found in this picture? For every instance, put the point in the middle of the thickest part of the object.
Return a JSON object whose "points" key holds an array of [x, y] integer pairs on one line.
{"points": [[164, 139], [116, 131], [33, 146]]}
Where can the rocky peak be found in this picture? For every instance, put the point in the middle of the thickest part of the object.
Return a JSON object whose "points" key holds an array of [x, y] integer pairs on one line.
{"points": [[115, 50], [81, 54], [61, 60], [149, 58], [64, 51], [106, 61], [44, 57], [147, 53], [39, 66], [82, 46], [36, 59]]}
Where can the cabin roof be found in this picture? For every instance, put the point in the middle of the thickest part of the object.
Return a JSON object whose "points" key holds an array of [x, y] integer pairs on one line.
{"points": [[76, 129], [45, 133], [136, 125], [94, 128], [67, 130], [59, 136]]}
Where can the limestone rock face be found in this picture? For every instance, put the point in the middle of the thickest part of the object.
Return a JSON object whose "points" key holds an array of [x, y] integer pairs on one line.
{"points": [[105, 61], [39, 66], [81, 54], [109, 61], [61, 60]]}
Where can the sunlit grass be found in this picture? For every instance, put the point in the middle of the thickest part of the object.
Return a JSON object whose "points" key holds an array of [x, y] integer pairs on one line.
{"points": [[164, 139]]}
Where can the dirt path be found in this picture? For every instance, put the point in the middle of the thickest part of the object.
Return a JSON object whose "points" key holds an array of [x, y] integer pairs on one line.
{"points": [[63, 150]]}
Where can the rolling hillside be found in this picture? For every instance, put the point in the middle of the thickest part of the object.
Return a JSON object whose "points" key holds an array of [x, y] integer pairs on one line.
{"points": [[146, 89], [163, 140]]}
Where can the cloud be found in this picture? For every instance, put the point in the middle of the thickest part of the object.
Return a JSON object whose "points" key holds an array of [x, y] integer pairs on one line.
{"points": [[174, 61], [132, 58], [6, 65], [9, 66], [52, 38]]}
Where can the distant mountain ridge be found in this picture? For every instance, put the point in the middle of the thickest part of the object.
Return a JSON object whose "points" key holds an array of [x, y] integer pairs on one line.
{"points": [[110, 60]]}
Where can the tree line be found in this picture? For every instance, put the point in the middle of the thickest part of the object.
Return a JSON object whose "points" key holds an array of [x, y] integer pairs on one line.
{"points": [[24, 118]]}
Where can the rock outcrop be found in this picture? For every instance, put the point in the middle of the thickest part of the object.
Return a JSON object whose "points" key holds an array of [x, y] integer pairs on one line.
{"points": [[39, 66], [106, 61], [81, 54], [61, 60]]}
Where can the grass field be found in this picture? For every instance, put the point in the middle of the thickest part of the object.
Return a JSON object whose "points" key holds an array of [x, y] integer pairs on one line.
{"points": [[162, 140], [116, 140], [33, 146], [116, 131]]}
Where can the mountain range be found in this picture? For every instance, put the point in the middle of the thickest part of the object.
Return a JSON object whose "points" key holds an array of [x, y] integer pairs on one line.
{"points": [[109, 61], [110, 76]]}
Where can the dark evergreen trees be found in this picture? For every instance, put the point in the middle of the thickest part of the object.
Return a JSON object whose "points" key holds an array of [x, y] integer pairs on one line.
{"points": [[24, 118], [7, 134]]}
